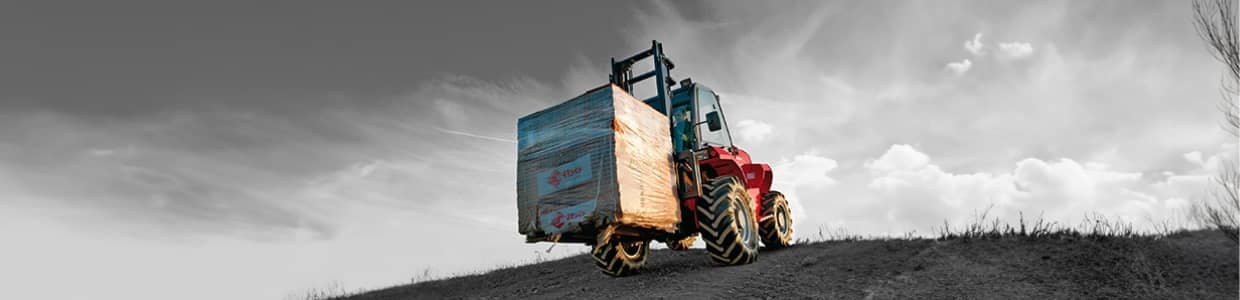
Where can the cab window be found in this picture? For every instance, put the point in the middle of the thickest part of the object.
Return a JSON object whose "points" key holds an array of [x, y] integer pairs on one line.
{"points": [[682, 129], [708, 106]]}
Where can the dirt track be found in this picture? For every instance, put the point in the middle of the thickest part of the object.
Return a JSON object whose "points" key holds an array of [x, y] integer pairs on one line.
{"points": [[1198, 265]]}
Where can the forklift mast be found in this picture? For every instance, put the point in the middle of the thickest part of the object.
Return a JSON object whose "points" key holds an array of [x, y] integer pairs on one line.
{"points": [[622, 75]]}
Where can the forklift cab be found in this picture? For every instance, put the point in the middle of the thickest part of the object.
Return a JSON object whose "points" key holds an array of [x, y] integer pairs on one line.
{"points": [[697, 118], [698, 128]]}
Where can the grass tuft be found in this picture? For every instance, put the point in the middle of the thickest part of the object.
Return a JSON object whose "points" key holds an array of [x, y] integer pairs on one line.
{"points": [[1093, 227], [333, 290]]}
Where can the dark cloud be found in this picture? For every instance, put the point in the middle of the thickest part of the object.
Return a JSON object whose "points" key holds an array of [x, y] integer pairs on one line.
{"points": [[172, 174], [272, 175], [131, 59]]}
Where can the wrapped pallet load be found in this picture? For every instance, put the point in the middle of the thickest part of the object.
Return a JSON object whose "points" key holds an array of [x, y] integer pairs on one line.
{"points": [[598, 159]]}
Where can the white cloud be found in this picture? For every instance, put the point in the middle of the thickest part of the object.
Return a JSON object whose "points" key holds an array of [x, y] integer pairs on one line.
{"points": [[960, 67], [807, 169], [975, 45], [899, 157], [1015, 49], [798, 179], [485, 137], [918, 193], [1213, 163], [1194, 157], [753, 131]]}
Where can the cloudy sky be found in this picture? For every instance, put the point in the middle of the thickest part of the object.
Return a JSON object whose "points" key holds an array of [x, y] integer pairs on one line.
{"points": [[253, 151]]}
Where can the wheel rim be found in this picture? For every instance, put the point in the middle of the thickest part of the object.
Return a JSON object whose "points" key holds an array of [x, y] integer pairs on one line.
{"points": [[781, 219], [741, 214]]}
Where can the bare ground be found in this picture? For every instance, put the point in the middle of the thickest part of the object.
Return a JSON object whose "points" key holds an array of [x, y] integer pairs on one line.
{"points": [[1187, 265]]}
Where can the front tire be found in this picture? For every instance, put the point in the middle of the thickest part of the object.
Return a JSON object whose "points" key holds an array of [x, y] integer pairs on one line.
{"points": [[726, 219], [617, 256], [776, 225]]}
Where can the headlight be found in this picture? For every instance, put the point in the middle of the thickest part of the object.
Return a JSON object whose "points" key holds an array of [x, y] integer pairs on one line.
{"points": [[704, 155]]}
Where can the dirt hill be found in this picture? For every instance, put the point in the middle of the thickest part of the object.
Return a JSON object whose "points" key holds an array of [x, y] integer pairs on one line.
{"points": [[1188, 265]]}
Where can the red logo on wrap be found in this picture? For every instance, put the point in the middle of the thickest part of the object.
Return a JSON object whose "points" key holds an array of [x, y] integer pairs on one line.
{"points": [[559, 220], [554, 179]]}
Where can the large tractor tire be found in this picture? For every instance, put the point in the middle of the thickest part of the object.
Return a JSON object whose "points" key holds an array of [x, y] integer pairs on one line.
{"points": [[726, 219], [776, 221], [681, 244], [617, 256]]}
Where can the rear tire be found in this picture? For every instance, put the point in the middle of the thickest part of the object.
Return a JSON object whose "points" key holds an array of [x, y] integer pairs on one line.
{"points": [[681, 244], [617, 256], [776, 225], [727, 223]]}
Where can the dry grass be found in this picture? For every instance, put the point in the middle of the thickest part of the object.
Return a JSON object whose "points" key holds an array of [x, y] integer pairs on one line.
{"points": [[1094, 227], [984, 226], [334, 290]]}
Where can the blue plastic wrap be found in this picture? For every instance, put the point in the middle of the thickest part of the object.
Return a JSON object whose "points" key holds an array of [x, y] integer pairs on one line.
{"points": [[601, 158]]}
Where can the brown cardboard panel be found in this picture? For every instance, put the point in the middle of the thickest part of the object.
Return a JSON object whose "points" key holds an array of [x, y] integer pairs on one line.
{"points": [[643, 165]]}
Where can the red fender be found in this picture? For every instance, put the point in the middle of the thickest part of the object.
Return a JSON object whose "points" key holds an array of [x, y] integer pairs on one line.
{"points": [[757, 177]]}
